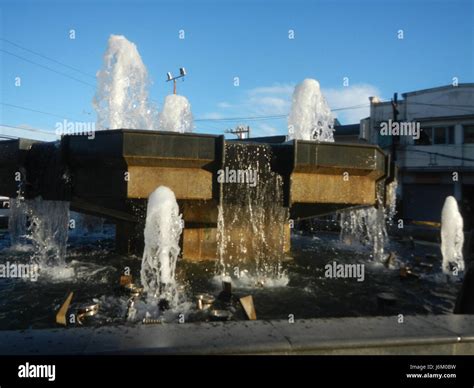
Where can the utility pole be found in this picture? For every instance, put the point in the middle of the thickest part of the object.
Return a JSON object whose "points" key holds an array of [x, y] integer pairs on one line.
{"points": [[240, 131]]}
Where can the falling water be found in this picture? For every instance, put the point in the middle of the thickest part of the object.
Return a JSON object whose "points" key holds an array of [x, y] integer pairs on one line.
{"points": [[17, 222], [252, 219], [162, 233], [176, 115], [42, 225], [365, 227], [48, 230], [391, 202], [121, 100], [310, 117], [452, 235]]}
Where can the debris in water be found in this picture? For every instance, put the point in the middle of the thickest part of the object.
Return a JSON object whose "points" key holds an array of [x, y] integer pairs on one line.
{"points": [[125, 279], [204, 301], [249, 307], [61, 314], [220, 315]]}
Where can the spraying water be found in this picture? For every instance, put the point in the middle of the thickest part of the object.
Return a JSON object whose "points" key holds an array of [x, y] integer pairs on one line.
{"points": [[365, 227], [162, 233], [176, 115], [310, 117], [452, 235], [42, 225], [121, 100], [48, 230]]}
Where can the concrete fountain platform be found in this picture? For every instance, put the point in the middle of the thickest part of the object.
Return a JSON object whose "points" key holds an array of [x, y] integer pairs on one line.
{"points": [[429, 334], [112, 174]]}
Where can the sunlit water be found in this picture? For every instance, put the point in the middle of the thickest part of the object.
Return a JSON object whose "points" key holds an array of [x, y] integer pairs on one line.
{"points": [[93, 270]]}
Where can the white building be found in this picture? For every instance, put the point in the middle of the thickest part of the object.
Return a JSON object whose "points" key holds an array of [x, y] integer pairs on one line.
{"points": [[437, 162]]}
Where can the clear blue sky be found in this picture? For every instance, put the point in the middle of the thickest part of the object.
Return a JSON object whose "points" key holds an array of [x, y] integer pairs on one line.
{"points": [[225, 39]]}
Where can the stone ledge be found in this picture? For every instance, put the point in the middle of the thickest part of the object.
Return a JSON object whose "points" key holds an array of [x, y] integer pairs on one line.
{"points": [[446, 334]]}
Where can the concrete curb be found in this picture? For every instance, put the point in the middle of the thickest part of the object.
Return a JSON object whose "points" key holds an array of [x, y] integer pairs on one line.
{"points": [[446, 334]]}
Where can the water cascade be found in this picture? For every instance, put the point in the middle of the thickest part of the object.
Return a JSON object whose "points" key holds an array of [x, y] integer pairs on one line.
{"points": [[48, 230], [251, 218], [17, 222], [365, 227], [43, 225]]}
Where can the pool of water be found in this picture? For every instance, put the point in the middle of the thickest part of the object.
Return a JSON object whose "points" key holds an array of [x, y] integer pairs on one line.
{"points": [[93, 271]]}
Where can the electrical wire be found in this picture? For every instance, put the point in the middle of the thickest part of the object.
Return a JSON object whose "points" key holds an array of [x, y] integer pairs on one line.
{"points": [[47, 68], [47, 57]]}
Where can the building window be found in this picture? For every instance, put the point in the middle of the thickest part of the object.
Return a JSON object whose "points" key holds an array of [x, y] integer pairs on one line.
{"points": [[443, 135], [425, 137], [468, 134], [439, 135], [436, 135], [450, 135]]}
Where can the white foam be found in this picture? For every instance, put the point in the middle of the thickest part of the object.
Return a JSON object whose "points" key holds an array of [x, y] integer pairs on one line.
{"points": [[162, 233], [249, 281], [310, 117], [452, 236], [121, 100], [176, 115]]}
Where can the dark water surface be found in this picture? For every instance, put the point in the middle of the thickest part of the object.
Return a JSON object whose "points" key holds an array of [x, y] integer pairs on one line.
{"points": [[93, 271]]}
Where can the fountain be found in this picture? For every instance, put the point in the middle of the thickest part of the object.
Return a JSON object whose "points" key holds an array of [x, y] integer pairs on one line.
{"points": [[48, 230], [310, 117], [43, 225], [237, 199], [452, 236], [162, 234], [176, 115], [121, 100]]}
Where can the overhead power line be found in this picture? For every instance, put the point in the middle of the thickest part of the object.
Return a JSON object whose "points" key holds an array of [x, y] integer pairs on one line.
{"points": [[36, 130], [35, 111], [48, 58], [437, 154], [48, 68], [273, 117]]}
